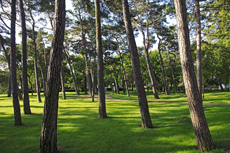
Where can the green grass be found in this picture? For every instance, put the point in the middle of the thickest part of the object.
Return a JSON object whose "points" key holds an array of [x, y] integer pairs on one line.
{"points": [[80, 130], [210, 97]]}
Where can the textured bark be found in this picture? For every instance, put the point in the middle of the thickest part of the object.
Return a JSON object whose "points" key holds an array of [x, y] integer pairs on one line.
{"points": [[71, 71], [170, 63], [35, 62], [14, 86], [48, 139], [62, 84], [144, 109], [26, 101], [100, 74], [200, 126], [123, 69], [199, 71], [151, 74], [162, 67]]}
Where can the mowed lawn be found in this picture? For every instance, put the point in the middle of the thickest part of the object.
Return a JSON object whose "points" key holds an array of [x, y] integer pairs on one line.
{"points": [[80, 130], [209, 97]]}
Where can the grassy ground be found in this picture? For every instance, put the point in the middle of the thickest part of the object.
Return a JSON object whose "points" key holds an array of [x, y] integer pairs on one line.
{"points": [[79, 129], [210, 97]]}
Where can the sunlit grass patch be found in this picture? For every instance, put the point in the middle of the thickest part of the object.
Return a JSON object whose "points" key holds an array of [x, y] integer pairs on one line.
{"points": [[80, 129], [210, 97]]}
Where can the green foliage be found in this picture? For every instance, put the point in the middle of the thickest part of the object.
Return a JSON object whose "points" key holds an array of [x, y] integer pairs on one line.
{"points": [[4, 77]]}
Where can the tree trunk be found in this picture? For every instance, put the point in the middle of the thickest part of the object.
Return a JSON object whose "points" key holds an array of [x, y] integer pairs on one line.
{"points": [[19, 93], [151, 74], [123, 85], [162, 67], [149, 65], [220, 84], [93, 83], [43, 75], [144, 109], [62, 84], [71, 71], [123, 69], [100, 74], [115, 80], [14, 86], [26, 101], [35, 62], [200, 126], [174, 81], [199, 71], [48, 139], [31, 86]]}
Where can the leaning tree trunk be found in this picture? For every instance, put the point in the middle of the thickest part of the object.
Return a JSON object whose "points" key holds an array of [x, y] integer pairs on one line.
{"points": [[71, 71], [48, 139], [174, 81], [123, 69], [152, 75], [162, 67], [35, 62], [14, 86], [100, 74], [199, 72], [220, 84], [143, 104], [200, 126], [26, 101]]}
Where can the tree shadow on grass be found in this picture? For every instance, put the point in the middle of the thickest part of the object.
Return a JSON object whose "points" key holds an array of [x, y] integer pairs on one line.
{"points": [[80, 130]]}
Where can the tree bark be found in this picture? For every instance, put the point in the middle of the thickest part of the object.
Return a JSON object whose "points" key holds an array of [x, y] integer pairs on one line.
{"points": [[48, 139], [200, 126], [100, 74], [62, 84], [26, 101], [93, 82], [14, 86], [71, 71], [151, 74], [88, 81], [199, 71], [162, 66], [144, 109], [174, 81], [115, 80], [122, 66], [35, 62], [43, 75], [149, 65]]}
